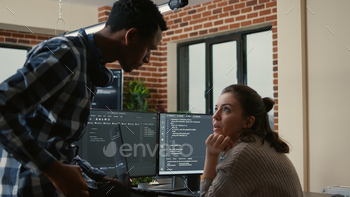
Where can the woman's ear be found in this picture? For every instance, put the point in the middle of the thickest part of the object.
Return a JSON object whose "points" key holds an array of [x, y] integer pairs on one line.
{"points": [[129, 35], [250, 121]]}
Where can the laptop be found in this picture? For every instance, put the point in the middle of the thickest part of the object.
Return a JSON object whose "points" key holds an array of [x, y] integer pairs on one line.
{"points": [[120, 161]]}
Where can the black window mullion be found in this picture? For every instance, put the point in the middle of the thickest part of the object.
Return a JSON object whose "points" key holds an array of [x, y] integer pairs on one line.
{"points": [[183, 78], [14, 46], [241, 60], [209, 78]]}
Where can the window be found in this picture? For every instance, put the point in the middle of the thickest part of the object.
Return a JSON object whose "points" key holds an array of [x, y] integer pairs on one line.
{"points": [[12, 57], [208, 65]]}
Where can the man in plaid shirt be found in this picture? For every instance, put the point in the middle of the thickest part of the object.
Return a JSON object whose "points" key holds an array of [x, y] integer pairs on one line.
{"points": [[44, 107]]}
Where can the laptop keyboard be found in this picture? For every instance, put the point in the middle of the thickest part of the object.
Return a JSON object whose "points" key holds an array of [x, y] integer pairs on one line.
{"points": [[167, 193]]}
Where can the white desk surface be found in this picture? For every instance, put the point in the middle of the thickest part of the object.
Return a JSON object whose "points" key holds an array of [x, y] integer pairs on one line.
{"points": [[313, 194]]}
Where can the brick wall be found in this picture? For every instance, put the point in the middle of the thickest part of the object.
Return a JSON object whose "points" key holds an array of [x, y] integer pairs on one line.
{"points": [[21, 38], [203, 20], [103, 13]]}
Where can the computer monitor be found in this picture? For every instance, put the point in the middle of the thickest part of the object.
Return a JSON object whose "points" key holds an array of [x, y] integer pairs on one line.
{"points": [[182, 143], [140, 136], [111, 96]]}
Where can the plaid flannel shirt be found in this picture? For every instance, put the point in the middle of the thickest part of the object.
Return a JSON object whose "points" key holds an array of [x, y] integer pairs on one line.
{"points": [[44, 107]]}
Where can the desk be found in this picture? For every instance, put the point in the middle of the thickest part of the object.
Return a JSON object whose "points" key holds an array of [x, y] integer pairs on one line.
{"points": [[180, 193], [306, 194], [313, 194]]}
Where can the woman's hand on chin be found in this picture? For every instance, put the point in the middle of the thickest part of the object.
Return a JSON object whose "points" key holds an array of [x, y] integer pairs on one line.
{"points": [[217, 143]]}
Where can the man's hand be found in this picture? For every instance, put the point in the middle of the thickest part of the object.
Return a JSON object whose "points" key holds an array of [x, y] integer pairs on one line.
{"points": [[113, 181], [218, 143], [114, 187], [68, 179]]}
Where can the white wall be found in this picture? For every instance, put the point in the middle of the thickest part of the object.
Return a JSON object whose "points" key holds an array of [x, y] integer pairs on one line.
{"points": [[290, 80], [329, 92], [44, 14], [313, 94]]}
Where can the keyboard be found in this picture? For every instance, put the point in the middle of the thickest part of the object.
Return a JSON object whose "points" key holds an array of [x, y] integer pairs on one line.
{"points": [[159, 193]]}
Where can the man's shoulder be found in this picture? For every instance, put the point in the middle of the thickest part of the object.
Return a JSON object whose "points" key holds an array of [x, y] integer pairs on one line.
{"points": [[75, 44], [70, 41]]}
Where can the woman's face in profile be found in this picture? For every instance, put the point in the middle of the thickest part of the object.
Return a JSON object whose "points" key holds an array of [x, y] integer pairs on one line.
{"points": [[228, 118]]}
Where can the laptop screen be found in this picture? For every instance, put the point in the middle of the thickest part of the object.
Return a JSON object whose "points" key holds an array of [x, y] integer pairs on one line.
{"points": [[119, 157]]}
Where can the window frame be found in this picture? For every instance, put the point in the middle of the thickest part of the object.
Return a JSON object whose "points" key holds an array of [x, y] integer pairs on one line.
{"points": [[183, 65], [15, 46]]}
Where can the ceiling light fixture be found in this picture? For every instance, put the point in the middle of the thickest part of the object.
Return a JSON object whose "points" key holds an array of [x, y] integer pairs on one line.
{"points": [[89, 30], [176, 4], [164, 8]]}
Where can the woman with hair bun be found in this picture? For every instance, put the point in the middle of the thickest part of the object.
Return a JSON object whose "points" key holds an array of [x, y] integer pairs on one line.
{"points": [[254, 161]]}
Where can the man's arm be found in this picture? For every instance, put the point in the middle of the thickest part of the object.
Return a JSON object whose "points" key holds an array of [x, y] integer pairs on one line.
{"points": [[95, 173]]}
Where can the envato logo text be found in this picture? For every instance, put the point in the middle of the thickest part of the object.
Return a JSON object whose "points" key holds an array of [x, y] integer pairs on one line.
{"points": [[166, 150]]}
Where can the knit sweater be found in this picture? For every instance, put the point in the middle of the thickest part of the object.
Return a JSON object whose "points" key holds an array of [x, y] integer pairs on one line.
{"points": [[256, 170]]}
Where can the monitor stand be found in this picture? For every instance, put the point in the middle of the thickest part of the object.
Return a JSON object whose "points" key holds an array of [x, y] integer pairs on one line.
{"points": [[193, 182], [192, 189], [168, 183], [174, 185]]}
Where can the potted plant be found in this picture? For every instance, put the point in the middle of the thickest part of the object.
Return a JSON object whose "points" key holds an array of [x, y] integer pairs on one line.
{"points": [[142, 182], [135, 96]]}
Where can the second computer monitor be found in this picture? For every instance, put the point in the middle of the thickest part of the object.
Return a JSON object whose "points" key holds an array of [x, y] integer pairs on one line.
{"points": [[182, 143]]}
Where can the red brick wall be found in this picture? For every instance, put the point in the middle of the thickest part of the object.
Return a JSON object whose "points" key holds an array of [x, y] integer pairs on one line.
{"points": [[103, 13], [21, 38], [205, 19]]}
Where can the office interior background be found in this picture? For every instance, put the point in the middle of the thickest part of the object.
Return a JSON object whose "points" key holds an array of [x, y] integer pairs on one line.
{"points": [[295, 51]]}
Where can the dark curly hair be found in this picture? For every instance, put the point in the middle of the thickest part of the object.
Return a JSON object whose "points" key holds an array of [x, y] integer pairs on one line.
{"points": [[142, 15], [253, 105]]}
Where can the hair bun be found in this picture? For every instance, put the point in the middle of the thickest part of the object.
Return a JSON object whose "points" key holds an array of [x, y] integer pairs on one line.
{"points": [[268, 103]]}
